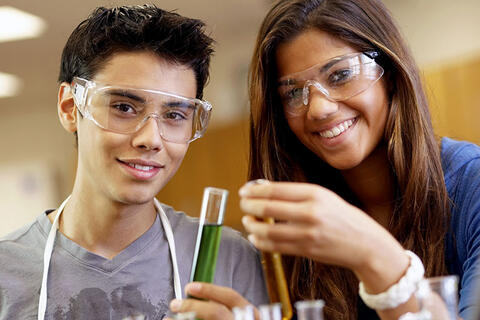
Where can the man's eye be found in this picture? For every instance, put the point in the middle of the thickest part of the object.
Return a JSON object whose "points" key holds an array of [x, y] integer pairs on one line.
{"points": [[124, 108], [174, 115]]}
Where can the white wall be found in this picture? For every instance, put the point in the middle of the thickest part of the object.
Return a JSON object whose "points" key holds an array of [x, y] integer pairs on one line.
{"points": [[36, 166], [439, 31]]}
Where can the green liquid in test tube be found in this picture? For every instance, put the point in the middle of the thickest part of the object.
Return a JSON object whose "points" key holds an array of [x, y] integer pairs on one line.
{"points": [[209, 234]]}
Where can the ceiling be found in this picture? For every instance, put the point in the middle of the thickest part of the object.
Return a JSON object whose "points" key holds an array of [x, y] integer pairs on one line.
{"points": [[36, 61]]}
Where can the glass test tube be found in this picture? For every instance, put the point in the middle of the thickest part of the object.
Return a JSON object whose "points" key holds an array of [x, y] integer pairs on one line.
{"points": [[270, 311], [310, 309], [185, 316], [274, 274], [244, 313], [422, 315], [439, 296], [275, 280], [209, 234]]}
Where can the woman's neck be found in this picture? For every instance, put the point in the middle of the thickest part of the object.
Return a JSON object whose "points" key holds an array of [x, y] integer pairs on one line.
{"points": [[373, 185], [103, 226]]}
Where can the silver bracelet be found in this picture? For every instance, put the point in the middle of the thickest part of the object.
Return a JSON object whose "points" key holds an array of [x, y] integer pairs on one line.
{"points": [[399, 292]]}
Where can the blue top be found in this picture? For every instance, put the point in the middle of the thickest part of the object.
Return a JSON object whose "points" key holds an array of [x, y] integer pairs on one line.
{"points": [[461, 166]]}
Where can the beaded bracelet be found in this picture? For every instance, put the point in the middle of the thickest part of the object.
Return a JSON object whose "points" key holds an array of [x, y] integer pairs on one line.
{"points": [[399, 292]]}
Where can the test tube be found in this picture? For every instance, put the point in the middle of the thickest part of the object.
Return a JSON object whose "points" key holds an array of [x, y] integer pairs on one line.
{"points": [[422, 315], [274, 274], [310, 309], [275, 280], [270, 311], [244, 313], [209, 234], [185, 316]]}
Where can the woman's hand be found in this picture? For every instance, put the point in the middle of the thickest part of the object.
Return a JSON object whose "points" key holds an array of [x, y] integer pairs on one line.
{"points": [[218, 303], [314, 222]]}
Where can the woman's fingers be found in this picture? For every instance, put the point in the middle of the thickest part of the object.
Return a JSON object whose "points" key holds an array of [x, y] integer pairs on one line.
{"points": [[285, 247], [286, 238], [298, 212], [287, 191], [275, 232]]}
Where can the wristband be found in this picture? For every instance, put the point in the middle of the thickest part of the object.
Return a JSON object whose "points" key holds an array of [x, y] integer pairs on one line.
{"points": [[399, 292]]}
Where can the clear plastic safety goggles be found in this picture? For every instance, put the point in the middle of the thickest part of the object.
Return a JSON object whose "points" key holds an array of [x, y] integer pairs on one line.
{"points": [[126, 110], [337, 79]]}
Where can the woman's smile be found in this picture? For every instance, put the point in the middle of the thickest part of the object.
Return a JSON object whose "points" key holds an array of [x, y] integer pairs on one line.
{"points": [[343, 133]]}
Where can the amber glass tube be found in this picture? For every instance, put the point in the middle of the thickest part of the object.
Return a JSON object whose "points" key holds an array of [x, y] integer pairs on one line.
{"points": [[276, 281]]}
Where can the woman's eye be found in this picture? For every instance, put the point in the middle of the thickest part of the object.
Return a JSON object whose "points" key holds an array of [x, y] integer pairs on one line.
{"points": [[340, 77], [293, 94]]}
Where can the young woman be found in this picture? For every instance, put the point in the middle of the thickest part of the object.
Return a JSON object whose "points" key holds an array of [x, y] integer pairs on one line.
{"points": [[358, 181]]}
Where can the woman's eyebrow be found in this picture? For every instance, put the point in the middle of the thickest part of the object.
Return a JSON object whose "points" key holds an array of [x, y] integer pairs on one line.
{"points": [[323, 68], [327, 65], [286, 82]]}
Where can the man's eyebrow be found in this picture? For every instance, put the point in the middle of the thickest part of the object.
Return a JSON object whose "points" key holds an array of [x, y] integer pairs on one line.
{"points": [[127, 94], [179, 103]]}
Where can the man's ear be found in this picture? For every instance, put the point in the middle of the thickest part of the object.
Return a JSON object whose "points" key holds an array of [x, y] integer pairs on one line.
{"points": [[67, 112]]}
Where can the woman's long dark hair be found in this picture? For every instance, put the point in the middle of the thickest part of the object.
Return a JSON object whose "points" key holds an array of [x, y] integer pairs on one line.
{"points": [[421, 210]]}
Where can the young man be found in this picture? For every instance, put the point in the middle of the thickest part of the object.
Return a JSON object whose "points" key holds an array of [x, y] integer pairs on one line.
{"points": [[131, 81]]}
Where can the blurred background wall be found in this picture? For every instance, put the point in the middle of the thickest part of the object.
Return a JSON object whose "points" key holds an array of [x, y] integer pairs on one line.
{"points": [[37, 162]]}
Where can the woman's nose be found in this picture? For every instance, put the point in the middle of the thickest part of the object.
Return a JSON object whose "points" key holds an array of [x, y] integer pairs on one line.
{"points": [[319, 106]]}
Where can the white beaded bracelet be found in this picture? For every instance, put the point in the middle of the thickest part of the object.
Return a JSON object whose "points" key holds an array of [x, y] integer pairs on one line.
{"points": [[399, 292]]}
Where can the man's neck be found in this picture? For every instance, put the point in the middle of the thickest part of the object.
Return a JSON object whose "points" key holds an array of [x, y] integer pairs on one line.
{"points": [[372, 184], [103, 226]]}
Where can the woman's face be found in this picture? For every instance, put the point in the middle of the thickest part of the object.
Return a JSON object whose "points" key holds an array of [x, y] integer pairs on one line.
{"points": [[342, 133]]}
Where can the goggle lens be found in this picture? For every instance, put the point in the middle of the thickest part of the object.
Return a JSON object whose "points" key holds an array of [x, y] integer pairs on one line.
{"points": [[339, 79], [126, 110]]}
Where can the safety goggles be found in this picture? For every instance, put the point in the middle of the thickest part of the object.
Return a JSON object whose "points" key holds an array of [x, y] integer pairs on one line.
{"points": [[337, 79], [126, 110]]}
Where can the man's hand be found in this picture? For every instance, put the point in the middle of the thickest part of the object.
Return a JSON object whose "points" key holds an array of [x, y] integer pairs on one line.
{"points": [[217, 304]]}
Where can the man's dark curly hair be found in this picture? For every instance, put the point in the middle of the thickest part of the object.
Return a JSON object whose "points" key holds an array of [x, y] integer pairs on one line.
{"points": [[107, 31]]}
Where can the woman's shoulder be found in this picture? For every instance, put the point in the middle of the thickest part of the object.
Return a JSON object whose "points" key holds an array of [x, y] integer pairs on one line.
{"points": [[461, 165], [460, 158]]}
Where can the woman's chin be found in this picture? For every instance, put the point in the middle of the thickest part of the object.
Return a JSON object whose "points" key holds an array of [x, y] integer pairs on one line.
{"points": [[345, 163]]}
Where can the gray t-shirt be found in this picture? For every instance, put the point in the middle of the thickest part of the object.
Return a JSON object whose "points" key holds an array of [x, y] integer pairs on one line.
{"points": [[135, 284]]}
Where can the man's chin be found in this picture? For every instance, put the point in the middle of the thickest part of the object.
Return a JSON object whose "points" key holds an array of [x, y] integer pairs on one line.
{"points": [[136, 198]]}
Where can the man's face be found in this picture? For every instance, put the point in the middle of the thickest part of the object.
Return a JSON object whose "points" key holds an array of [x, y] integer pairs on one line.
{"points": [[132, 168]]}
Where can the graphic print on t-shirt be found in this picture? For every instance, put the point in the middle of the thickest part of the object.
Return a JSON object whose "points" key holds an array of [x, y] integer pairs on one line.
{"points": [[123, 303]]}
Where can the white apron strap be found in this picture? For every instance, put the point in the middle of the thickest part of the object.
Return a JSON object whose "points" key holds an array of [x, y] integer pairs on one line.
{"points": [[47, 254], [171, 243]]}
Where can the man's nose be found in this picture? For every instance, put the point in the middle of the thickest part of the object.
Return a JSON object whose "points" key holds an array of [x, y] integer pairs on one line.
{"points": [[148, 135]]}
